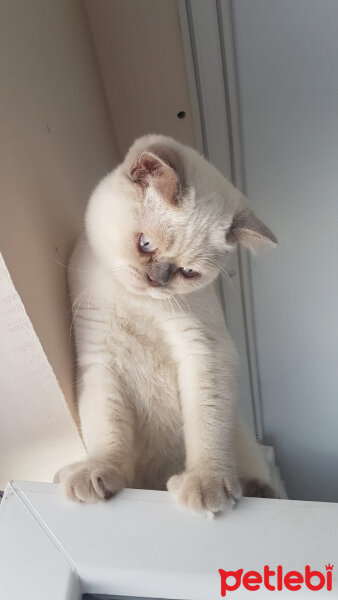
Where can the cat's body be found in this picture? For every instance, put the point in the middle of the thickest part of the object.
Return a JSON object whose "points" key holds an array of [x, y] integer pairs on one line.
{"points": [[156, 368]]}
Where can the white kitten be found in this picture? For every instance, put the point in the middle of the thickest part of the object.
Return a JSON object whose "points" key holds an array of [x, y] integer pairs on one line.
{"points": [[156, 368]]}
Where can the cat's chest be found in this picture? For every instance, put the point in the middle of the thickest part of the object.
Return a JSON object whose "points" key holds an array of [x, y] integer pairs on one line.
{"points": [[142, 359], [139, 351], [132, 331]]}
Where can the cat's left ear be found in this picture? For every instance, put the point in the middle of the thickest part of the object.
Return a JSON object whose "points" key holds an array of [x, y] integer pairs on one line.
{"points": [[249, 231]]}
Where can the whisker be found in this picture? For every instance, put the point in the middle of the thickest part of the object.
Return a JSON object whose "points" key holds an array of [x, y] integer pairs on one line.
{"points": [[69, 267], [79, 299], [225, 274]]}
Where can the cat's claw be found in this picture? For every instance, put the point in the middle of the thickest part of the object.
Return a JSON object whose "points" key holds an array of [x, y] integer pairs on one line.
{"points": [[205, 492], [90, 481]]}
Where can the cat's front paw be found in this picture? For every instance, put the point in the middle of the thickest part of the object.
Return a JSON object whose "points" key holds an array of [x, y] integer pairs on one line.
{"points": [[90, 480], [205, 491]]}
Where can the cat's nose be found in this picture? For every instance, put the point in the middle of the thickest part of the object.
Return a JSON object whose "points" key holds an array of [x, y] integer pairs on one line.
{"points": [[153, 282], [159, 273]]}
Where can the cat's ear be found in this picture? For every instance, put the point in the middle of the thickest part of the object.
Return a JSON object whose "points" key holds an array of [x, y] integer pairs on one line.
{"points": [[158, 168], [249, 231]]}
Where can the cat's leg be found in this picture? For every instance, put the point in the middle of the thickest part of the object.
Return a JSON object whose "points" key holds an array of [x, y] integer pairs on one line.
{"points": [[207, 382], [108, 424], [252, 466]]}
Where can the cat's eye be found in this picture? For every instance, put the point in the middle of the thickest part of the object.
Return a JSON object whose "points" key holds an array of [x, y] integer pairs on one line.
{"points": [[145, 244], [188, 273]]}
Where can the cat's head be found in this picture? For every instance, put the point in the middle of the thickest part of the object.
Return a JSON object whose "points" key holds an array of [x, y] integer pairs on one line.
{"points": [[163, 221]]}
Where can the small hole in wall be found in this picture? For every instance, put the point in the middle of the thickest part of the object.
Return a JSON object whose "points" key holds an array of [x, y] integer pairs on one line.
{"points": [[181, 114]]}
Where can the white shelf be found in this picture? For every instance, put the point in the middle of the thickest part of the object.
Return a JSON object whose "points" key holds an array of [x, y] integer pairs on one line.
{"points": [[143, 544]]}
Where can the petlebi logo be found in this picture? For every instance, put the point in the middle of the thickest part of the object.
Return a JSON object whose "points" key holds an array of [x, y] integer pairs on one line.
{"points": [[276, 579]]}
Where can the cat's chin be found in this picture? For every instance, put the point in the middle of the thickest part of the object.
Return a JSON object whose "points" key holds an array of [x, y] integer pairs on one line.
{"points": [[145, 291]]}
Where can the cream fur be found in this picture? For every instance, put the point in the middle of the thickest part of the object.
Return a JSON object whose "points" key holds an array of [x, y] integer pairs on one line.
{"points": [[156, 368]]}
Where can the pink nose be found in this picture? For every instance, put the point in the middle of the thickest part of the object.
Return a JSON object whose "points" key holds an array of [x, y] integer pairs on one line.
{"points": [[152, 282]]}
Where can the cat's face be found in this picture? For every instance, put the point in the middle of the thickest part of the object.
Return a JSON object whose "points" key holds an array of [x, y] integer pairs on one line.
{"points": [[165, 220]]}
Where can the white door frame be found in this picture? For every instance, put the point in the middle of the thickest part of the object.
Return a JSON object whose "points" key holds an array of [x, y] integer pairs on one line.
{"points": [[209, 53]]}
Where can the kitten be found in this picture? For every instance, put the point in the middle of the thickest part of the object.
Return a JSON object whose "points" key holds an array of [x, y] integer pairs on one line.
{"points": [[156, 368]]}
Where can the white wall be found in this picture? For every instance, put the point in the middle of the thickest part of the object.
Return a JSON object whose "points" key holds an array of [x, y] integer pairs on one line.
{"points": [[55, 144], [140, 55], [287, 59]]}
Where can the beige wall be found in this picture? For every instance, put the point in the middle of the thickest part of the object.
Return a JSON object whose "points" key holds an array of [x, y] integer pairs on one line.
{"points": [[140, 53], [56, 143]]}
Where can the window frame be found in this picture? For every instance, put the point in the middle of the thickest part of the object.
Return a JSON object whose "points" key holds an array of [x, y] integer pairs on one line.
{"points": [[207, 37]]}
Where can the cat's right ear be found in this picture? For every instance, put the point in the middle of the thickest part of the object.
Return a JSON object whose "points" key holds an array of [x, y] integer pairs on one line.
{"points": [[249, 231], [159, 168], [148, 166]]}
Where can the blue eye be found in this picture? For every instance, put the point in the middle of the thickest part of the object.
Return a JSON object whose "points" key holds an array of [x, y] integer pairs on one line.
{"points": [[188, 273], [145, 244]]}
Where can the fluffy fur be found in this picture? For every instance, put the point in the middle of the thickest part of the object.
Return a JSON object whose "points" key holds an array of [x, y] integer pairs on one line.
{"points": [[156, 368]]}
